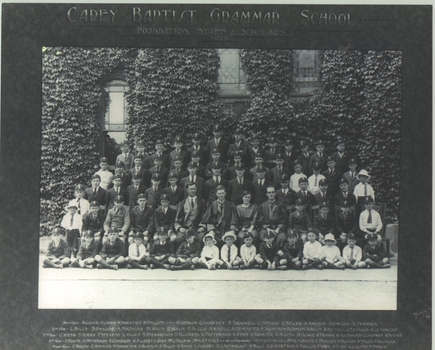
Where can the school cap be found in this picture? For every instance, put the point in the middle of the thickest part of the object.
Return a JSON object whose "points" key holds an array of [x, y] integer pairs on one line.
{"points": [[323, 182], [119, 164], [216, 127], [178, 158], [164, 197], [138, 156], [195, 154], [156, 177], [96, 176], [157, 158], [284, 178], [261, 168], [368, 200], [330, 159], [345, 203], [196, 136], [239, 167], [104, 160], [94, 204], [279, 156], [190, 232], [339, 142], [140, 196], [172, 175], [192, 165], [371, 237], [162, 231], [299, 202], [238, 154], [178, 138], [291, 234], [342, 181], [80, 188], [272, 139], [119, 199], [229, 234], [289, 141], [303, 144], [323, 205], [89, 233], [138, 235], [330, 237], [140, 144], [303, 179], [215, 151], [319, 143], [352, 161], [159, 142], [216, 165], [57, 231], [259, 155], [269, 235], [351, 236], [248, 235], [116, 177]]}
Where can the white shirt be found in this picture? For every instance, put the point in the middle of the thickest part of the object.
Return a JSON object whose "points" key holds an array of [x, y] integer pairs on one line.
{"points": [[83, 207], [331, 253], [106, 178], [294, 181], [224, 253], [312, 180], [210, 252], [360, 189], [77, 222], [132, 251], [248, 253], [376, 221], [312, 250], [357, 253]]}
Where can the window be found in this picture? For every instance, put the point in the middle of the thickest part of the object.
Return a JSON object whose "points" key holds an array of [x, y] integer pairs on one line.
{"points": [[305, 65], [116, 112], [232, 80]]}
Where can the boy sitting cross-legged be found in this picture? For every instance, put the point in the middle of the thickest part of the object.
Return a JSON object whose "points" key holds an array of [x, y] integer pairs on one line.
{"points": [[187, 254]]}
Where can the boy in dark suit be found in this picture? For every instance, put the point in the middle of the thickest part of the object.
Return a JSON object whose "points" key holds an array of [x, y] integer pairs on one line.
{"points": [[159, 170], [306, 196], [324, 222], [278, 170], [58, 251], [142, 220], [187, 255], [123, 174], [292, 254], [193, 177], [198, 161], [217, 142], [340, 157], [318, 157], [350, 176], [118, 218], [299, 220], [254, 150], [289, 154], [197, 148], [332, 176], [260, 185], [178, 153], [93, 221], [211, 184], [134, 190], [344, 194], [323, 195], [270, 154], [87, 252], [304, 158], [164, 216], [178, 169], [112, 254], [160, 153], [239, 146], [161, 250], [285, 195], [238, 185], [215, 159], [153, 193], [345, 224], [96, 192], [114, 192], [138, 169], [268, 253], [146, 159], [126, 157]]}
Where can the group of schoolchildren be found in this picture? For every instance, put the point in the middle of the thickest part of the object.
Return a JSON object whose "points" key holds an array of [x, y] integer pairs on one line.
{"points": [[223, 206]]}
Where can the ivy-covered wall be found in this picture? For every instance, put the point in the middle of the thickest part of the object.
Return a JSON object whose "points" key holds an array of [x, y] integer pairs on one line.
{"points": [[174, 91]]}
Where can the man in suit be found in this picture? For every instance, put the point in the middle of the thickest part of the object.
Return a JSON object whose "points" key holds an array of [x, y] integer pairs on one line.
{"points": [[126, 156], [211, 184], [138, 169], [285, 195], [271, 217], [189, 215], [238, 185], [220, 216], [193, 177], [218, 143], [332, 176], [231, 171], [260, 184], [96, 192], [93, 220]]}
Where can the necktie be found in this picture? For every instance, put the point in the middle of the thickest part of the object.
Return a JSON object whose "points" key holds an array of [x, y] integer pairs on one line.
{"points": [[215, 179], [78, 205], [137, 171], [315, 182], [157, 169], [192, 204], [229, 254], [351, 253], [137, 247], [365, 189], [369, 220], [220, 207], [72, 220], [95, 191], [191, 179]]}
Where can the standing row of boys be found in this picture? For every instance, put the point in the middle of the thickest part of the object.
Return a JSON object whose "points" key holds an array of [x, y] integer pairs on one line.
{"points": [[168, 208]]}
